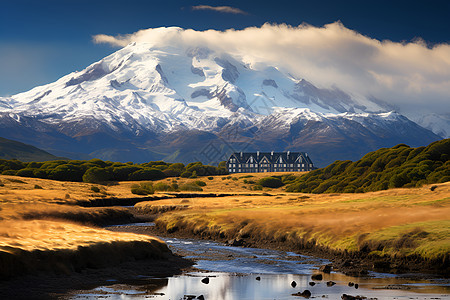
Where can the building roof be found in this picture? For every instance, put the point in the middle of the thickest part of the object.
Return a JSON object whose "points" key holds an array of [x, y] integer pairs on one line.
{"points": [[272, 157]]}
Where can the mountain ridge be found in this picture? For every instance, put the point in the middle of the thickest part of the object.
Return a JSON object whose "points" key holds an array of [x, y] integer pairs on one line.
{"points": [[140, 97]]}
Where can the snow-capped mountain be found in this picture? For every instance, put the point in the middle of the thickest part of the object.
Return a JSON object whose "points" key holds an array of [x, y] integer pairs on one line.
{"points": [[146, 102]]}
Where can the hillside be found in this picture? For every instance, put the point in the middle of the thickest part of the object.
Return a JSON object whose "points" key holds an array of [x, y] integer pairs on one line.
{"points": [[399, 166], [10, 149]]}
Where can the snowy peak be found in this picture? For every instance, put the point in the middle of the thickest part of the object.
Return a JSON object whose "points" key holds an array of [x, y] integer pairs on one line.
{"points": [[148, 97]]}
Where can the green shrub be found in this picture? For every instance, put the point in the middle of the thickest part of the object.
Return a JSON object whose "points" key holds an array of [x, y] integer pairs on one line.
{"points": [[162, 186], [186, 174], [96, 175], [95, 189], [27, 172], [256, 188], [200, 183], [144, 188], [38, 187], [9, 172], [271, 182], [147, 174], [210, 178]]}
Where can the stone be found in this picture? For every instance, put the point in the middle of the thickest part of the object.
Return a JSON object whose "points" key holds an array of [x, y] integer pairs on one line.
{"points": [[331, 283], [205, 280], [317, 277], [326, 268]]}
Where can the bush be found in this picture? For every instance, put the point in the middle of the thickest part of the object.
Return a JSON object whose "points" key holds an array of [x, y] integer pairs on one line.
{"points": [[27, 172], [270, 182], [256, 188], [210, 178], [9, 172], [147, 174], [68, 172], [142, 189], [95, 189], [200, 183], [186, 174], [38, 187], [95, 175], [162, 186]]}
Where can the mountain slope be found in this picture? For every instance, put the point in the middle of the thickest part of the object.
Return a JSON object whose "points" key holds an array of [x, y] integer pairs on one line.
{"points": [[145, 102], [15, 150]]}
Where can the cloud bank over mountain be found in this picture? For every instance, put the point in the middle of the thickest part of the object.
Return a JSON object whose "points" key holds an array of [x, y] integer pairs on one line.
{"points": [[410, 75]]}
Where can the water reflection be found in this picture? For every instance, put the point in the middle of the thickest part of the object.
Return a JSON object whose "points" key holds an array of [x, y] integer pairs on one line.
{"points": [[233, 273], [226, 286]]}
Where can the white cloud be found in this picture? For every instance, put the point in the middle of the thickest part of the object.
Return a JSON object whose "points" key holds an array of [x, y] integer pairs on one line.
{"points": [[410, 75], [222, 9]]}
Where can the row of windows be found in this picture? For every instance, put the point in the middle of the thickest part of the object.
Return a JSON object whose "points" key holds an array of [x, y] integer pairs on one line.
{"points": [[266, 165], [256, 171]]}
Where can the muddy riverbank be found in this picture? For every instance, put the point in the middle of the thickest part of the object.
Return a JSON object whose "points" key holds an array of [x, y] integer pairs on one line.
{"points": [[352, 264]]}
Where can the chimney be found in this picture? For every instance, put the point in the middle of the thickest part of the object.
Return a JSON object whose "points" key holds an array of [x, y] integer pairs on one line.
{"points": [[271, 153], [241, 155], [257, 154], [287, 155]]}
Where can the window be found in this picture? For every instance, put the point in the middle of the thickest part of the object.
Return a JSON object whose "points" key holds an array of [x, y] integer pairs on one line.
{"points": [[239, 165]]}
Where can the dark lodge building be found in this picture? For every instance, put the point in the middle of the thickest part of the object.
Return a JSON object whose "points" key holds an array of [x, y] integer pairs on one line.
{"points": [[253, 162]]}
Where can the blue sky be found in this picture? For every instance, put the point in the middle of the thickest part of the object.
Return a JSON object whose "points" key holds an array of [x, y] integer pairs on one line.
{"points": [[41, 41]]}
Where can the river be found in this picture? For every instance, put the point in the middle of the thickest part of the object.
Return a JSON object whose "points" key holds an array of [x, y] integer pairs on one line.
{"points": [[225, 273]]}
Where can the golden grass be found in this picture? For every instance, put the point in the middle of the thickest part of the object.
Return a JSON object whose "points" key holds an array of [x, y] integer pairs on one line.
{"points": [[226, 183], [375, 222], [38, 233], [52, 235]]}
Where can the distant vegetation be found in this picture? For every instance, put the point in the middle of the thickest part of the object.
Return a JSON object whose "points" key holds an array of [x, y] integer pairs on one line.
{"points": [[399, 166], [96, 170]]}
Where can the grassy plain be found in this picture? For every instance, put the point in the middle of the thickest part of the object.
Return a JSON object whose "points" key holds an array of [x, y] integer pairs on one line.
{"points": [[43, 230], [405, 223]]}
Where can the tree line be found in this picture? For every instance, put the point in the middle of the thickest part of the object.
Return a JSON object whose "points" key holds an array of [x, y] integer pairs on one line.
{"points": [[96, 170]]}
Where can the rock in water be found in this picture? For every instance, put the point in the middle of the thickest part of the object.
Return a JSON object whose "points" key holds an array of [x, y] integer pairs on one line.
{"points": [[305, 294], [325, 268], [331, 283], [205, 280], [317, 277], [293, 284]]}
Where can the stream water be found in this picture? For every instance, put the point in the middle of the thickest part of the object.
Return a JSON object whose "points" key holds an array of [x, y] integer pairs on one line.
{"points": [[250, 273]]}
